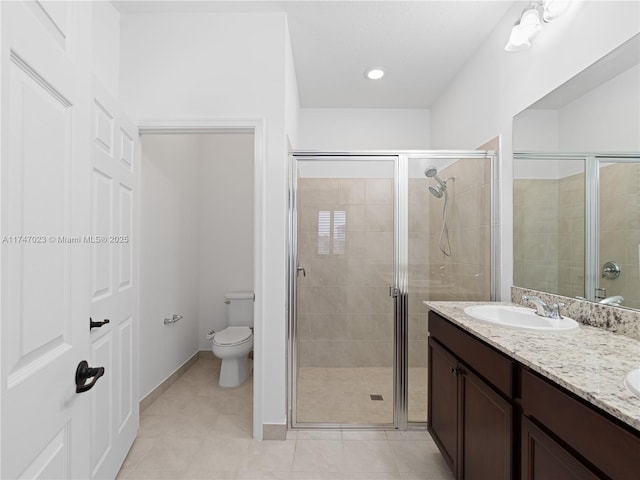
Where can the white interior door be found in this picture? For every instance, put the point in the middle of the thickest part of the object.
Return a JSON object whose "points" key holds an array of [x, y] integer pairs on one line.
{"points": [[45, 139], [115, 177]]}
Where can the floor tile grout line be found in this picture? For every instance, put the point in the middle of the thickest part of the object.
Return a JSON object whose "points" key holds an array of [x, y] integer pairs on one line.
{"points": [[366, 443]]}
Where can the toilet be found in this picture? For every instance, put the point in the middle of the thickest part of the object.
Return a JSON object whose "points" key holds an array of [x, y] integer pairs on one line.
{"points": [[233, 344]]}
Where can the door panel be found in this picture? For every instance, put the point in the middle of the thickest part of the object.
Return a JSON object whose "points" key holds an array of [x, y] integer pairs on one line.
{"points": [[542, 457], [101, 253], [127, 400], [102, 407], [345, 320], [443, 402], [39, 164], [114, 411], [57, 19], [485, 415], [51, 462], [125, 254], [44, 175]]}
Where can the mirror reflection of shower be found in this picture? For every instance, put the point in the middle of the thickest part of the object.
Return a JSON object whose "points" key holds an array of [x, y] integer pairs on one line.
{"points": [[438, 191]]}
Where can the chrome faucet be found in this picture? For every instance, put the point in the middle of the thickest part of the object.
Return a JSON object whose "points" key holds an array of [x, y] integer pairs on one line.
{"points": [[614, 300], [543, 309]]}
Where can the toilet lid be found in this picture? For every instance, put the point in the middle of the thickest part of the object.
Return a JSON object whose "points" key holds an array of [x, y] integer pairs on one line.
{"points": [[232, 335]]}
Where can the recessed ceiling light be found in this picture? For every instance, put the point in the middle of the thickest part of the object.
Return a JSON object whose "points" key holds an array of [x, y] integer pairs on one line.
{"points": [[374, 74]]}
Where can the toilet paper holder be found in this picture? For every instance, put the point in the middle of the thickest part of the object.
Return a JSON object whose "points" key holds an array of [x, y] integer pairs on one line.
{"points": [[174, 319]]}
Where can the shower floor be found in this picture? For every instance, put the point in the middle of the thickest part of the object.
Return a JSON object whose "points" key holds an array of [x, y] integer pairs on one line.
{"points": [[343, 395]]}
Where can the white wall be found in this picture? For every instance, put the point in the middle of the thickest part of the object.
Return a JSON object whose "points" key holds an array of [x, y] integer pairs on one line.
{"points": [[495, 85], [226, 225], [363, 129], [106, 45], [169, 264], [292, 98], [536, 130], [605, 119], [205, 66]]}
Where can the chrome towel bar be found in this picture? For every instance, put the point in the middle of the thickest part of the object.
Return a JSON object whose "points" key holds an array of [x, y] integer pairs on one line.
{"points": [[174, 319]]}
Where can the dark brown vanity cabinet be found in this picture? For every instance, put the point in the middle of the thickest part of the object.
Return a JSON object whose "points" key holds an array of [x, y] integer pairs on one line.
{"points": [[486, 430], [443, 402], [563, 437], [471, 422], [544, 458], [493, 418]]}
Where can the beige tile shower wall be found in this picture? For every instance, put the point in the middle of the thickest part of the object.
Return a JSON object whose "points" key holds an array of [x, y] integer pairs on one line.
{"points": [[620, 229], [535, 247], [345, 314], [465, 275], [571, 224], [536, 234], [549, 235]]}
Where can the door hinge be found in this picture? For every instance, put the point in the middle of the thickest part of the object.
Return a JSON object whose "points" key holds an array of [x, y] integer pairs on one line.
{"points": [[394, 292]]}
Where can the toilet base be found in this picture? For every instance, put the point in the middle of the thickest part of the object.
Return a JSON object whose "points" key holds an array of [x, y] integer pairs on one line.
{"points": [[234, 371]]}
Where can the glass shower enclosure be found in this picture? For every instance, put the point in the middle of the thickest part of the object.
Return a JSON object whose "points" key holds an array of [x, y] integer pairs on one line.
{"points": [[577, 225], [372, 236]]}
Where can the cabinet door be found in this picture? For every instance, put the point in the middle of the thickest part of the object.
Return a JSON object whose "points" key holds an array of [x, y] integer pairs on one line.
{"points": [[543, 458], [443, 401], [486, 426]]}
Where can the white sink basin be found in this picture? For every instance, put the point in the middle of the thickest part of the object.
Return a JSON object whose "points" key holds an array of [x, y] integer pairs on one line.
{"points": [[632, 381], [519, 318]]}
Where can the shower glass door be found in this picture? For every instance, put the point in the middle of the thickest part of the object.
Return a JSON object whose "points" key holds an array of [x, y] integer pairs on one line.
{"points": [[371, 238], [343, 223], [616, 270]]}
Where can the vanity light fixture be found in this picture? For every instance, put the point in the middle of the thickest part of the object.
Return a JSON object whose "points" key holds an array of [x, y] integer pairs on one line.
{"points": [[553, 9], [374, 74], [533, 17]]}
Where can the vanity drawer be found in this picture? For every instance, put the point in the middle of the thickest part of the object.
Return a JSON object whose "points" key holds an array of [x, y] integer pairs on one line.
{"points": [[599, 440], [495, 367]]}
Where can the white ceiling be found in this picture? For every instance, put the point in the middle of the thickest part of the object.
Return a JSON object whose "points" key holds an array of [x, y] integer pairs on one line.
{"points": [[420, 44]]}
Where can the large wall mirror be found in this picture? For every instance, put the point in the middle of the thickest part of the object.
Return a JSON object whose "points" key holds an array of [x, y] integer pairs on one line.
{"points": [[576, 185]]}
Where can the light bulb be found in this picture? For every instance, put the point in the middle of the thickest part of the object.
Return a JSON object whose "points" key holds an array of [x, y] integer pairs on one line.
{"points": [[524, 30], [518, 40], [375, 74], [554, 8]]}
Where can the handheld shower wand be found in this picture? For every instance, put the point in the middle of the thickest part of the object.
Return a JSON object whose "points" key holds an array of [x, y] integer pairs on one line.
{"points": [[437, 191]]}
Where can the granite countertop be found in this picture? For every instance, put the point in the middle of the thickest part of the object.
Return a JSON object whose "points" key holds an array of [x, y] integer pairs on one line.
{"points": [[590, 362]]}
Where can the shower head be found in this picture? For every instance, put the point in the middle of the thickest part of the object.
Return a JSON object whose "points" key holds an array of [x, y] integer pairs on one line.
{"points": [[430, 171], [436, 190]]}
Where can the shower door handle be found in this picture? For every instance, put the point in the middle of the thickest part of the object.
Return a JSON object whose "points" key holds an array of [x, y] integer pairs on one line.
{"points": [[301, 269]]}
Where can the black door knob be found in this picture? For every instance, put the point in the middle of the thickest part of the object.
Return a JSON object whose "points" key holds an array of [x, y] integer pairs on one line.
{"points": [[85, 372], [93, 324]]}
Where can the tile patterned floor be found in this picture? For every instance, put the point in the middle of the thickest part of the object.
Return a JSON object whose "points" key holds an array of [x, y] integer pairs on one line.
{"points": [[342, 395], [196, 430]]}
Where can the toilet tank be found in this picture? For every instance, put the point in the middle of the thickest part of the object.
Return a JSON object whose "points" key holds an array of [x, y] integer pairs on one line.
{"points": [[239, 309]]}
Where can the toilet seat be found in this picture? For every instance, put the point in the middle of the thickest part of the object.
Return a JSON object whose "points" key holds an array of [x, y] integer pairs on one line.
{"points": [[232, 336]]}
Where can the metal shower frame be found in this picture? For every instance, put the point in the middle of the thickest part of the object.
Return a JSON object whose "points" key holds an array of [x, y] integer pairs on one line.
{"points": [[399, 289], [592, 162]]}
